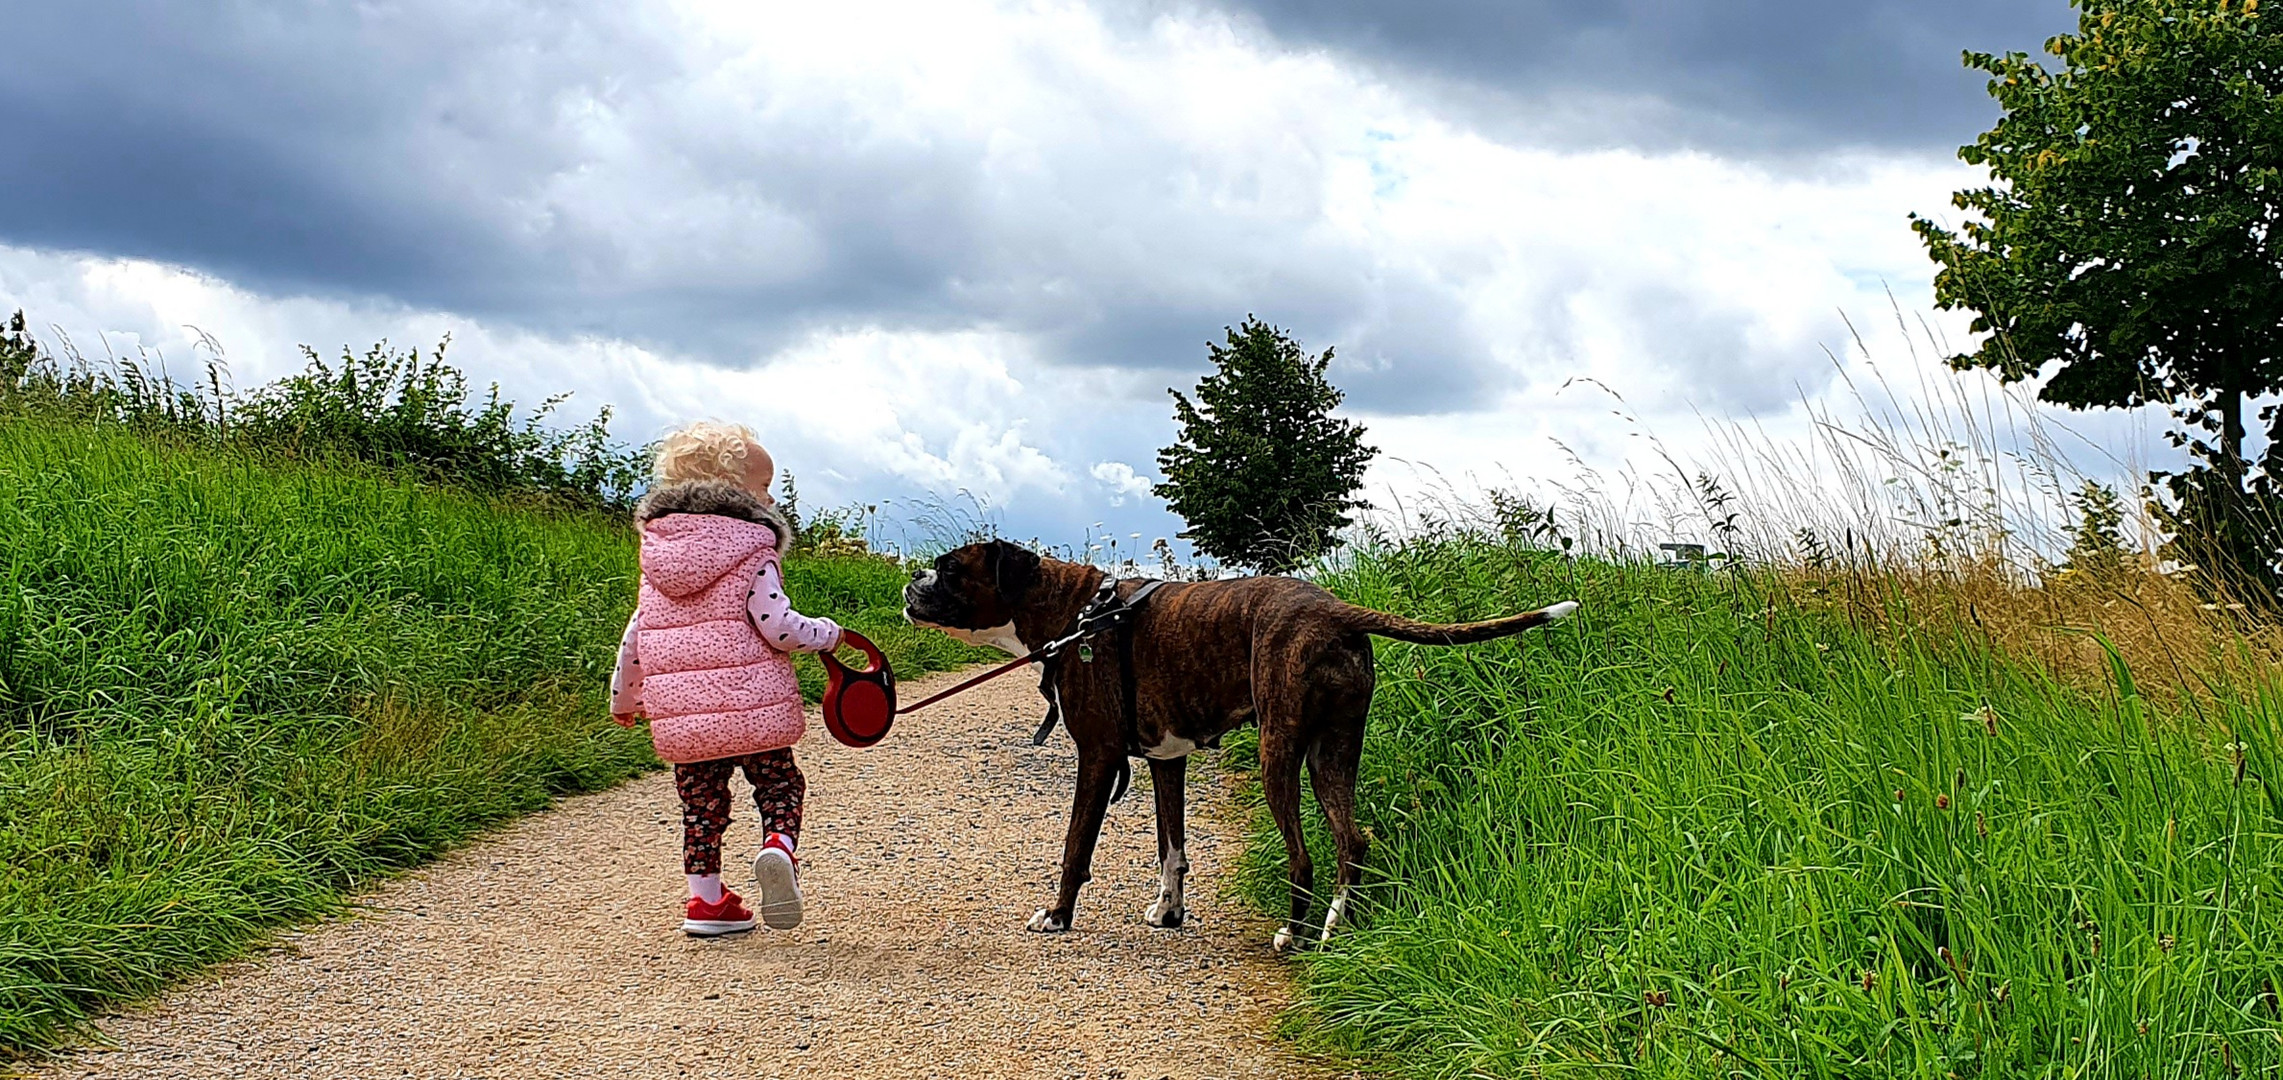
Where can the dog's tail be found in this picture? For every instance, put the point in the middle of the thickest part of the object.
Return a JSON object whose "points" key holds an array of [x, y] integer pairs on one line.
{"points": [[1412, 630]]}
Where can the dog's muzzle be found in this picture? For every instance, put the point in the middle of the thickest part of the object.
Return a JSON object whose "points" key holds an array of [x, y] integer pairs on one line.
{"points": [[916, 597]]}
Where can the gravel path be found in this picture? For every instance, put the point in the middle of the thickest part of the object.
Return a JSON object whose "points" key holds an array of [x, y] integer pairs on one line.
{"points": [[552, 949]]}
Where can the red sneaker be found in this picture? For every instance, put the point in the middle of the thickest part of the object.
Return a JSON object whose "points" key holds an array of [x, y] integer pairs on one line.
{"points": [[780, 877], [712, 920]]}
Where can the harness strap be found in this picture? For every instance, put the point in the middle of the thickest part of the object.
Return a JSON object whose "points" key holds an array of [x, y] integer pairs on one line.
{"points": [[1128, 724], [1048, 668], [1105, 608]]}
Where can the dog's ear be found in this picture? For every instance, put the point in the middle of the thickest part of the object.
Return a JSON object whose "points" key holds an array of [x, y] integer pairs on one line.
{"points": [[1013, 569]]}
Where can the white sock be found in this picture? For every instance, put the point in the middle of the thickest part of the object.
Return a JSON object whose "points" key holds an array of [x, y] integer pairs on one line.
{"points": [[706, 887]]}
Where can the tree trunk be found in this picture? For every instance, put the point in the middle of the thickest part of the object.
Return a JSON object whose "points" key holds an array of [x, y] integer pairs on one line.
{"points": [[2231, 461]]}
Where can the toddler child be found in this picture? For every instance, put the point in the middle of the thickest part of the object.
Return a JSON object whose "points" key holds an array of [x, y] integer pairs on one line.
{"points": [[704, 659]]}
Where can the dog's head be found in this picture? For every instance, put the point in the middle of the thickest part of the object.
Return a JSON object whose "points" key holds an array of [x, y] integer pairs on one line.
{"points": [[978, 588]]}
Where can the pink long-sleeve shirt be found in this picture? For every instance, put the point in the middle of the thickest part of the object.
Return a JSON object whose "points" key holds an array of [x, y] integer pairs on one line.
{"points": [[773, 617]]}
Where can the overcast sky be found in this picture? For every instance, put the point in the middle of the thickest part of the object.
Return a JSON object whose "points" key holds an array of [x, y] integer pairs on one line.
{"points": [[954, 246]]}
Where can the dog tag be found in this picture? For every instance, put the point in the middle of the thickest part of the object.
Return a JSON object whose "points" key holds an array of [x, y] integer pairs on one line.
{"points": [[1085, 654]]}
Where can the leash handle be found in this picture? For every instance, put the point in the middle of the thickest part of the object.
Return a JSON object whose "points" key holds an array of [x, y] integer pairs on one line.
{"points": [[859, 704]]}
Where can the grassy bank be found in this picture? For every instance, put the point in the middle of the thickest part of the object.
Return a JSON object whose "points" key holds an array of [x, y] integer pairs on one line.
{"points": [[232, 692], [1709, 830]]}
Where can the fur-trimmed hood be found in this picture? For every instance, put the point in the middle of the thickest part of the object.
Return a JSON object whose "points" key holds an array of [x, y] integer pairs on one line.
{"points": [[692, 534], [719, 497]]}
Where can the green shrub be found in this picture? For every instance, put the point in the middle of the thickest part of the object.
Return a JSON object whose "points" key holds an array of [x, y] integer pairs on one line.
{"points": [[387, 407]]}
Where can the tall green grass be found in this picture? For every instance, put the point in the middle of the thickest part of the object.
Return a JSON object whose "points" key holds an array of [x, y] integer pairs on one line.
{"points": [[233, 691], [1701, 830]]}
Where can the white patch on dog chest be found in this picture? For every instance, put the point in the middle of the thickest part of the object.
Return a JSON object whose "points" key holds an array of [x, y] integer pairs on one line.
{"points": [[1002, 638], [1174, 746]]}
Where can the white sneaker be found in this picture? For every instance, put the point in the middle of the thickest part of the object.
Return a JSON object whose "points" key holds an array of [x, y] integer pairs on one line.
{"points": [[779, 875]]}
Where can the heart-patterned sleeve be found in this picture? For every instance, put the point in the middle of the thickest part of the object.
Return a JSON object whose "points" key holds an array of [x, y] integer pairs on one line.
{"points": [[784, 629], [626, 679]]}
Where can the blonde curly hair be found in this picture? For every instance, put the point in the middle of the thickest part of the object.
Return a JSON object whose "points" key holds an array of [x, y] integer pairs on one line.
{"points": [[711, 450]]}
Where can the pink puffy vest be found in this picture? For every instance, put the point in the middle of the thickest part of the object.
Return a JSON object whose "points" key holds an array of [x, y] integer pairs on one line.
{"points": [[711, 688]]}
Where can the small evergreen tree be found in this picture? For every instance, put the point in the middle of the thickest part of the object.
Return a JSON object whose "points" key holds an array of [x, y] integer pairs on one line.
{"points": [[1263, 474]]}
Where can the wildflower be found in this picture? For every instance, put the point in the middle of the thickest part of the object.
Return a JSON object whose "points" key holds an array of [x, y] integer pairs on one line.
{"points": [[1942, 802]]}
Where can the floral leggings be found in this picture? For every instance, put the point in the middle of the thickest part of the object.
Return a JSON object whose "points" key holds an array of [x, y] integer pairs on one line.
{"points": [[778, 788]]}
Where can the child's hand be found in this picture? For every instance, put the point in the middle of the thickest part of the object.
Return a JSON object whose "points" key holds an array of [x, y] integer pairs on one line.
{"points": [[626, 719]]}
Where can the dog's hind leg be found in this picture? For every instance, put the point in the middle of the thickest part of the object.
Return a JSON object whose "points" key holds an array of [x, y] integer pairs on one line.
{"points": [[1169, 778], [1280, 786], [1097, 770], [1332, 765]]}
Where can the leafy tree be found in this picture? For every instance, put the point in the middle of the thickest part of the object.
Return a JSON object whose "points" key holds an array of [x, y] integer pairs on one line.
{"points": [[2127, 249], [1263, 473], [2097, 549]]}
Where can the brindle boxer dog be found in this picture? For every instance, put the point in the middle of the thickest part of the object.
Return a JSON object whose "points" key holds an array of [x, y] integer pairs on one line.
{"points": [[1206, 657]]}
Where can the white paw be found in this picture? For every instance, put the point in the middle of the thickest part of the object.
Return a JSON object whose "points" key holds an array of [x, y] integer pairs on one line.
{"points": [[1561, 611], [1044, 922], [1282, 942], [1332, 918], [1165, 914]]}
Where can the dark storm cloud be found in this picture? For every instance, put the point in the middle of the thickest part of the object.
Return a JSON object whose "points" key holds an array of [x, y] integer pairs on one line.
{"points": [[1750, 75]]}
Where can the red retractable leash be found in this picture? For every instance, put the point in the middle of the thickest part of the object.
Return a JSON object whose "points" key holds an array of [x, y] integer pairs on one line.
{"points": [[859, 706]]}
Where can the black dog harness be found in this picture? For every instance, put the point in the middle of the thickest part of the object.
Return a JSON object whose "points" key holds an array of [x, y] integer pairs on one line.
{"points": [[1105, 612]]}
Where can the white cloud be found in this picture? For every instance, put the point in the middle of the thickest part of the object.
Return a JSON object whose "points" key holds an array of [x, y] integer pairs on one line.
{"points": [[1119, 482]]}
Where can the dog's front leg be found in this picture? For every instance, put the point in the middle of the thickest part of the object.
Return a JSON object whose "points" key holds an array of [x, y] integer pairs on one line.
{"points": [[1096, 771], [1169, 778]]}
